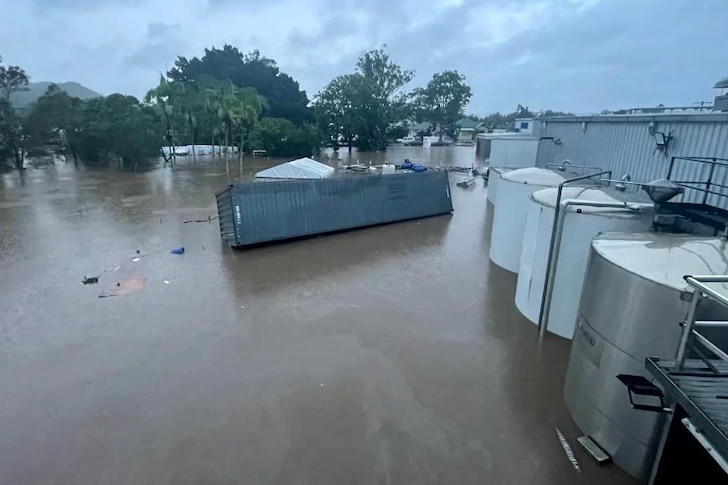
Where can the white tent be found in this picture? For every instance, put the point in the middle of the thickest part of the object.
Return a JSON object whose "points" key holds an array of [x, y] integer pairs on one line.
{"points": [[303, 168]]}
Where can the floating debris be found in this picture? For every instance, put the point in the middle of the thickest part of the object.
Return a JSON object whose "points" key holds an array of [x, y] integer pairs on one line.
{"points": [[134, 260], [469, 182], [90, 281], [179, 250], [209, 219], [568, 450], [166, 282], [125, 287]]}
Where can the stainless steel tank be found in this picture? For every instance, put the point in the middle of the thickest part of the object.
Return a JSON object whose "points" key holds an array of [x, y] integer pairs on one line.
{"points": [[632, 301]]}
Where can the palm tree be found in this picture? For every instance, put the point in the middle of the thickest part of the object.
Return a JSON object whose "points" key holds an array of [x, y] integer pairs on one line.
{"points": [[186, 99], [162, 96]]}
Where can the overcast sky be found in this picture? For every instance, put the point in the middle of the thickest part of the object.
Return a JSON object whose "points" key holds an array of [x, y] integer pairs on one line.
{"points": [[573, 55]]}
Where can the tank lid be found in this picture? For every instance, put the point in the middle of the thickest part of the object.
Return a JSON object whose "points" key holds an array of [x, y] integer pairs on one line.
{"points": [[665, 258], [548, 197], [538, 176]]}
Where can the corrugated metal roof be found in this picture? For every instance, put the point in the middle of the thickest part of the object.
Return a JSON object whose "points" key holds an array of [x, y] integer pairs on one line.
{"points": [[302, 168]]}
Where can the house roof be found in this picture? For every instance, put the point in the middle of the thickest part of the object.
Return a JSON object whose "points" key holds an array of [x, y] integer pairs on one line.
{"points": [[467, 124]]}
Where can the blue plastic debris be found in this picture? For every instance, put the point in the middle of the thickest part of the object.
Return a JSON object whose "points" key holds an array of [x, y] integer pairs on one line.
{"points": [[179, 250]]}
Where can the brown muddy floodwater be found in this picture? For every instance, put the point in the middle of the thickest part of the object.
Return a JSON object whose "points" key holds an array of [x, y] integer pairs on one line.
{"points": [[388, 355]]}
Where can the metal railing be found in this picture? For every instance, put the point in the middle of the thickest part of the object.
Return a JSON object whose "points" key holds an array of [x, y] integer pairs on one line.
{"points": [[708, 184], [691, 338], [554, 246]]}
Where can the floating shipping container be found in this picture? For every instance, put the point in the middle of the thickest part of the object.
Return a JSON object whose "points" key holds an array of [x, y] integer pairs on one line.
{"points": [[259, 212]]}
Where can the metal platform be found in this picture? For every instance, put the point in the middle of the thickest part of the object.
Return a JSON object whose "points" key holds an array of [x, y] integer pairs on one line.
{"points": [[701, 393]]}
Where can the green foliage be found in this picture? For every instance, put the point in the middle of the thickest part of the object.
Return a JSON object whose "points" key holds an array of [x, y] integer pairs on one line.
{"points": [[341, 109], [282, 138], [362, 106], [442, 101], [11, 139], [12, 80], [284, 96], [506, 121]]}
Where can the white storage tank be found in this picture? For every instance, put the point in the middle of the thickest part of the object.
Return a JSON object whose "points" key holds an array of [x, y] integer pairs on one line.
{"points": [[632, 303], [509, 215], [494, 174], [580, 224]]}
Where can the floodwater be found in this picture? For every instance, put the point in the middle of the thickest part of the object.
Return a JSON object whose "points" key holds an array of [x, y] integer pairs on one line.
{"points": [[388, 355]]}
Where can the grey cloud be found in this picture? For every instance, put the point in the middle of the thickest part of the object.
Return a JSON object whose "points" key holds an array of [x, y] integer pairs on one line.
{"points": [[46, 6], [160, 47], [160, 30], [604, 54]]}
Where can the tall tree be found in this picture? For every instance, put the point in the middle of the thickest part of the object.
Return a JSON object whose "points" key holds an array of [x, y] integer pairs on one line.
{"points": [[163, 97], [386, 101], [284, 96], [12, 80], [443, 100], [341, 108], [55, 120]]}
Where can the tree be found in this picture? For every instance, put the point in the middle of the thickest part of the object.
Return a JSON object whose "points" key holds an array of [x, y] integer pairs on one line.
{"points": [[12, 80], [284, 96], [54, 120], [383, 102], [165, 96], [442, 101], [280, 137], [11, 134], [340, 108]]}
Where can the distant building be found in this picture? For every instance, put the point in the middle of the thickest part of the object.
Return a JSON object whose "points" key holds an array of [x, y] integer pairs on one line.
{"points": [[416, 130], [466, 129], [523, 125]]}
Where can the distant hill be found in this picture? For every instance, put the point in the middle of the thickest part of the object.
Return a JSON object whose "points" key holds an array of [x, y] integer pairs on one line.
{"points": [[36, 90]]}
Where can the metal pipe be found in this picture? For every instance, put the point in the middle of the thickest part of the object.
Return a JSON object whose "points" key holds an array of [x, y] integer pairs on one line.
{"points": [[710, 345], [710, 323], [708, 278], [552, 261], [697, 282], [621, 181], [687, 330], [557, 209], [567, 164]]}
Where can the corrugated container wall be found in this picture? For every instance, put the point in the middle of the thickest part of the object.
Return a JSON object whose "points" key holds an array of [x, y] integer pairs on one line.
{"points": [[625, 145], [258, 212]]}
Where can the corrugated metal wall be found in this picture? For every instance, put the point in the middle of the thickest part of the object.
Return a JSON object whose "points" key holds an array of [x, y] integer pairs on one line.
{"points": [[624, 145], [275, 210]]}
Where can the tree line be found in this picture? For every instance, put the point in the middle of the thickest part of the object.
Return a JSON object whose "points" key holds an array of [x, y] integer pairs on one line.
{"points": [[370, 107], [226, 98], [506, 121]]}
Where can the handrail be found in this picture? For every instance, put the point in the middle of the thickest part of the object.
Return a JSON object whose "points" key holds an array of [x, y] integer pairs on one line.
{"points": [[549, 261], [701, 290], [555, 248], [698, 282]]}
